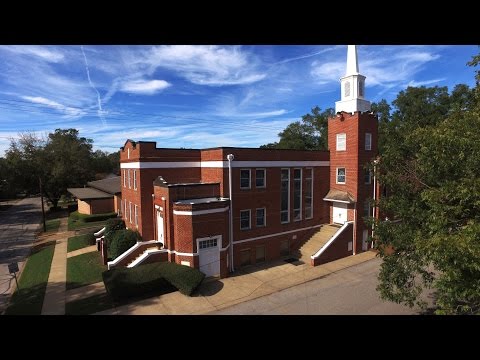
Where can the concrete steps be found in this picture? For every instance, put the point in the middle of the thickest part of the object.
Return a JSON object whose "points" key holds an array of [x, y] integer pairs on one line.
{"points": [[316, 242], [155, 247]]}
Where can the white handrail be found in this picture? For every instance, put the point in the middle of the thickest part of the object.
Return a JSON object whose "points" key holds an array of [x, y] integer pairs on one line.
{"points": [[100, 232], [129, 251], [145, 255], [334, 237]]}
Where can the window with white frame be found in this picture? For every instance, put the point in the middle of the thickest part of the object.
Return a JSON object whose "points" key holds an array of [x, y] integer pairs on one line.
{"points": [[341, 142], [136, 215], [368, 176], [297, 194], [125, 207], [285, 196], [245, 179], [260, 178], [129, 182], [368, 141], [341, 175], [308, 193], [124, 178], [244, 219], [130, 211], [207, 244], [135, 179], [260, 217]]}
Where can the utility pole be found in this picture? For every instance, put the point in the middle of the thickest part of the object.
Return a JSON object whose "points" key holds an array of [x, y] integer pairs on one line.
{"points": [[43, 206]]}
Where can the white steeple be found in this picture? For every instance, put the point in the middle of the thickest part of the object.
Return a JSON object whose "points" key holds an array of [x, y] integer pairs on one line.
{"points": [[352, 86]]}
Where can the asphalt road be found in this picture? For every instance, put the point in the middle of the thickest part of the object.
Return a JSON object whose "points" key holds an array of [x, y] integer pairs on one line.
{"points": [[349, 291], [17, 227]]}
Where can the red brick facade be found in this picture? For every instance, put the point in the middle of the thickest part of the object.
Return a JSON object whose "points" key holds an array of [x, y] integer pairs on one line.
{"points": [[189, 191]]}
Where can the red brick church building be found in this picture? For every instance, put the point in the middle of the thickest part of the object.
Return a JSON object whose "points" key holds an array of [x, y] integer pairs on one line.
{"points": [[224, 208]]}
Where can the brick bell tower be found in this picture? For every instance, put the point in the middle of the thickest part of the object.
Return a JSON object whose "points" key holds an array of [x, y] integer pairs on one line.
{"points": [[352, 141]]}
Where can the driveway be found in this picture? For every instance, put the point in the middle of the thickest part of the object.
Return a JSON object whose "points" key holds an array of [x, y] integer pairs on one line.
{"points": [[17, 228], [350, 291]]}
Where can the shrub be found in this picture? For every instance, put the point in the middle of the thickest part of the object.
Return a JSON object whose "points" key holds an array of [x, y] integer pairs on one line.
{"points": [[99, 217], [158, 277], [184, 278], [122, 241], [123, 283], [111, 227]]}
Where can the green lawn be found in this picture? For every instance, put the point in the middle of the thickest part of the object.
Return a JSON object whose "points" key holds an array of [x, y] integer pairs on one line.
{"points": [[80, 242], [84, 269], [89, 305], [52, 225], [28, 299]]}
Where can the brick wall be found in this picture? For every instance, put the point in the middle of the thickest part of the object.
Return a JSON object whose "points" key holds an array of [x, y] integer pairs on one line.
{"points": [[84, 207], [338, 249]]}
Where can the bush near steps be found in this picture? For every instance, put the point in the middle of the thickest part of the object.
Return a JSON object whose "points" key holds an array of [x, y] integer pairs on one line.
{"points": [[155, 279]]}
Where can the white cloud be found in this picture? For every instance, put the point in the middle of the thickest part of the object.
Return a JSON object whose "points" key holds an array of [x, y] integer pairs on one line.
{"points": [[43, 52], [207, 65], [414, 83], [67, 110], [385, 66], [144, 87]]}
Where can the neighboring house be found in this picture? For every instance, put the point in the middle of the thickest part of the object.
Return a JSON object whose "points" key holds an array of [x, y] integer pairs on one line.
{"points": [[305, 204], [101, 196]]}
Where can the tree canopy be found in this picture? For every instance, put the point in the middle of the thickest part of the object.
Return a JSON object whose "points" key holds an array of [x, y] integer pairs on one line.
{"points": [[430, 164], [62, 160]]}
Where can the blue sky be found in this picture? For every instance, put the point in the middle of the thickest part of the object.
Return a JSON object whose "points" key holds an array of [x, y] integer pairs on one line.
{"points": [[199, 96]]}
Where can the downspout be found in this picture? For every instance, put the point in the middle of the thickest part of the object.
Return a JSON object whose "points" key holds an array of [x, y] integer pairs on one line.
{"points": [[230, 157], [374, 197], [355, 229]]}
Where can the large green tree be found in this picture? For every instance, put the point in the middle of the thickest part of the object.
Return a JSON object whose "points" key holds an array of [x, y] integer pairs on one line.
{"points": [[311, 133], [430, 163]]}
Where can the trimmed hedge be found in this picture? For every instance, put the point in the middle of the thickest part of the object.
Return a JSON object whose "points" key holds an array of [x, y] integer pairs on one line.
{"points": [[184, 278], [98, 217], [122, 241], [158, 277]]}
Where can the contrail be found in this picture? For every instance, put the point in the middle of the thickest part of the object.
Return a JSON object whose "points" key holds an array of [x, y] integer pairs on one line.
{"points": [[100, 111]]}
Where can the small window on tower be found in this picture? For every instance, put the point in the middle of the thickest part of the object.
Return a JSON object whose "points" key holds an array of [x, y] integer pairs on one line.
{"points": [[347, 88], [361, 86], [341, 142]]}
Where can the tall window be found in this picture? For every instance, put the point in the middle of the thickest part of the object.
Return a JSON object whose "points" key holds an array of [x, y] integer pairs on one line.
{"points": [[129, 183], [135, 179], [367, 209], [125, 206], [308, 193], [341, 175], [124, 178], [368, 176], [245, 179], [361, 88], [341, 142], [368, 141], [130, 211], [260, 217], [285, 196], [136, 215], [260, 178], [297, 194], [244, 219]]}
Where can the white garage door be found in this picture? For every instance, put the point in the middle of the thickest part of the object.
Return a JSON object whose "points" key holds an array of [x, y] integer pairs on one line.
{"points": [[339, 213], [209, 256]]}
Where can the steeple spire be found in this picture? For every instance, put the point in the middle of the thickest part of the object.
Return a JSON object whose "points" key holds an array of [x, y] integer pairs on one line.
{"points": [[352, 60], [352, 86]]}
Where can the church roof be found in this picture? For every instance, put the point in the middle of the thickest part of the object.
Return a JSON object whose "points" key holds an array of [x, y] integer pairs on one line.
{"points": [[340, 196]]}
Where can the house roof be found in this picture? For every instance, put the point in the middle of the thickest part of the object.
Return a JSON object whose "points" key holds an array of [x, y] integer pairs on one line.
{"points": [[88, 193], [110, 185], [340, 196]]}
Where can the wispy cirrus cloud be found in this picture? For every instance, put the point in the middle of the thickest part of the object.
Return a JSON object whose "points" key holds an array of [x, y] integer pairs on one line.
{"points": [[43, 52], [207, 65], [144, 87], [388, 66], [67, 110], [414, 83]]}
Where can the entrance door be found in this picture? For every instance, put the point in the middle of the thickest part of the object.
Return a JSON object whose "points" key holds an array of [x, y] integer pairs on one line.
{"points": [[160, 236], [339, 213], [209, 256], [364, 240]]}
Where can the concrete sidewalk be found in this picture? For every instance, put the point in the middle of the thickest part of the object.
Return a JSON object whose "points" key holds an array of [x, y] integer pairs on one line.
{"points": [[248, 284], [54, 300], [84, 250]]}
